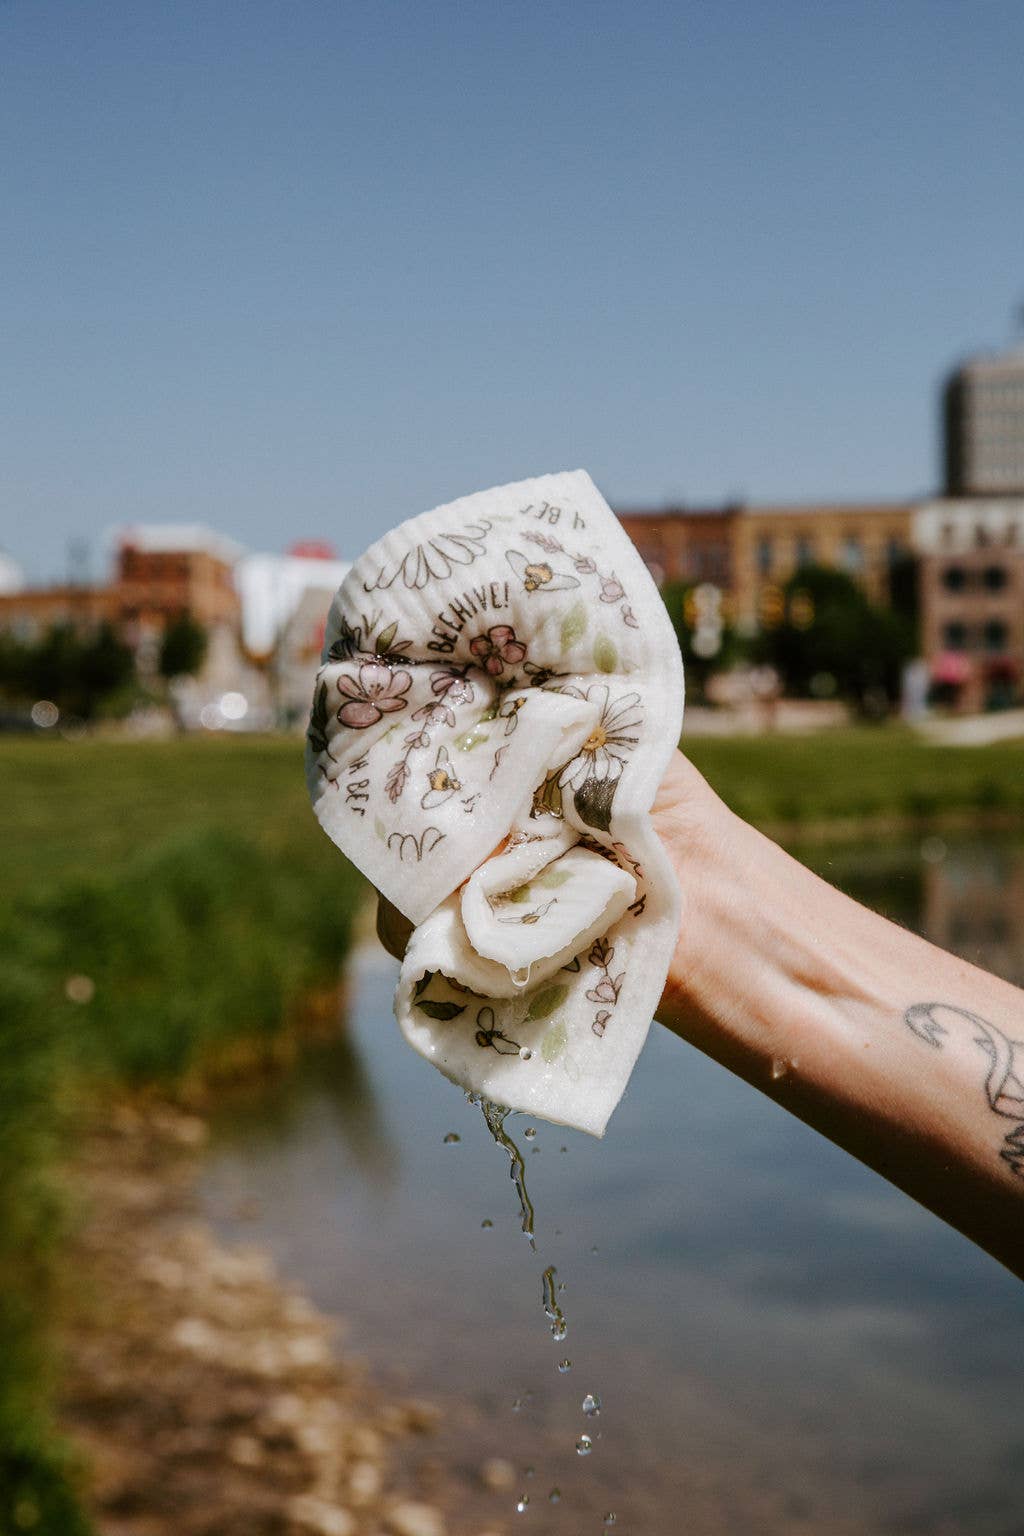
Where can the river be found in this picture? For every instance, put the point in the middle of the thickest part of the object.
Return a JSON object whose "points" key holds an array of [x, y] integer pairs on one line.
{"points": [[781, 1342]]}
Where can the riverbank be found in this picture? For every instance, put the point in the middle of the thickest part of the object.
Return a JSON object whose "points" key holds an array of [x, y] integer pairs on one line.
{"points": [[220, 1402]]}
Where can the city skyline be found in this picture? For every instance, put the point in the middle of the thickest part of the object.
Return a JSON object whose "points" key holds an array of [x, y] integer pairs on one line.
{"points": [[303, 273]]}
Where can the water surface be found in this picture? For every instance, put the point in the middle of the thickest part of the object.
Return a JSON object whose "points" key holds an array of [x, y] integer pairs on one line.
{"points": [[781, 1341]]}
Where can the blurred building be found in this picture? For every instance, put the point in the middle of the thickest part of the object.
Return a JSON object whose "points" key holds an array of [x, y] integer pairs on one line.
{"points": [[971, 572], [160, 572], [750, 550], [273, 587], [983, 404], [164, 570]]}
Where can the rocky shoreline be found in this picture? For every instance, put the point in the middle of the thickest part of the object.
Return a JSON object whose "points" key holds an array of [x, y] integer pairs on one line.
{"points": [[207, 1397]]}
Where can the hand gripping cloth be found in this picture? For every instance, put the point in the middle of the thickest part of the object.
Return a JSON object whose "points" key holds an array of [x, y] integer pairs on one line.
{"points": [[500, 677]]}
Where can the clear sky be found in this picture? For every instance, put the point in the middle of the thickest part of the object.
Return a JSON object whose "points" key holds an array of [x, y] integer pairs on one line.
{"points": [[305, 268]]}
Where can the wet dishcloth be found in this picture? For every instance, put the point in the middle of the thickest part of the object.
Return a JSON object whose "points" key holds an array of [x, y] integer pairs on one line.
{"points": [[502, 671]]}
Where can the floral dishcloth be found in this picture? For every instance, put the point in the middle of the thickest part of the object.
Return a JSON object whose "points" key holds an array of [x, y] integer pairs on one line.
{"points": [[501, 673]]}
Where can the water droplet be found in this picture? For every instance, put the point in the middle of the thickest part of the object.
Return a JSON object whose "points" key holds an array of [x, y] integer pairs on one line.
{"points": [[517, 1404], [563, 1149], [555, 1496], [525, 1053], [594, 1249], [523, 1504], [591, 1405], [535, 1149], [487, 1222], [564, 1365], [584, 1445], [780, 1066], [529, 1472], [530, 1132], [610, 1517], [559, 1329], [452, 1138]]}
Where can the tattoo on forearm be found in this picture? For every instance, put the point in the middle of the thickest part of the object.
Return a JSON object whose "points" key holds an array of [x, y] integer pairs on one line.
{"points": [[1004, 1081]]}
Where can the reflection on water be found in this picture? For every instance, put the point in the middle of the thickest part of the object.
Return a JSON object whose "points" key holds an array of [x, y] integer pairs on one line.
{"points": [[782, 1342]]}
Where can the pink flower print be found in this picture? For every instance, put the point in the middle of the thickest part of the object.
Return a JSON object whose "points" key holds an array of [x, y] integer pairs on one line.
{"points": [[434, 714], [600, 1022], [611, 589], [452, 685], [629, 617], [605, 992], [584, 565], [498, 649], [378, 692]]}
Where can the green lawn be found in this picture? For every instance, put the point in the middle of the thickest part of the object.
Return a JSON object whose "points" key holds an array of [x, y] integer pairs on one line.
{"points": [[87, 807], [858, 773]]}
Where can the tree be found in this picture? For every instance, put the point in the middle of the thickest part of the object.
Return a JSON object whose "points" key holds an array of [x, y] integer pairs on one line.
{"points": [[77, 672], [683, 603], [831, 638], [183, 647]]}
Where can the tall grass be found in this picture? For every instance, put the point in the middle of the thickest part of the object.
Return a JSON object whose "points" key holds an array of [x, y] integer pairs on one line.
{"points": [[159, 961]]}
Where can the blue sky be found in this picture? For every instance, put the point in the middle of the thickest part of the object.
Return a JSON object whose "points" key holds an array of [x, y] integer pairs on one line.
{"points": [[304, 269]]}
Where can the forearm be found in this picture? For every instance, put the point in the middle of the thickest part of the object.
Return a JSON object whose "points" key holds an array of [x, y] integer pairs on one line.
{"points": [[898, 1052]]}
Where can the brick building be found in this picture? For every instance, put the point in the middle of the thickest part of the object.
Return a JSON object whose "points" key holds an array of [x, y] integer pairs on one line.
{"points": [[160, 571], [747, 549], [971, 562]]}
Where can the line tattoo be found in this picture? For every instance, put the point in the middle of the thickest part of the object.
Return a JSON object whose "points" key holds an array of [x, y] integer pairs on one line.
{"points": [[1004, 1081]]}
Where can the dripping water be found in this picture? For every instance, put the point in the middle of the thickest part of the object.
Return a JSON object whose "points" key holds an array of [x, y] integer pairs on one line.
{"points": [[495, 1116]]}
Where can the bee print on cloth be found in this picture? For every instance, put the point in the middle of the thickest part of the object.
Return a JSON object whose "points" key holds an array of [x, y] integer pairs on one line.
{"points": [[538, 576], [487, 1037], [442, 781]]}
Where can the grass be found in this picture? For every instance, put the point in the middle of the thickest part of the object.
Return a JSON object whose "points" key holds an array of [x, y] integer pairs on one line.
{"points": [[858, 774], [187, 881], [184, 897]]}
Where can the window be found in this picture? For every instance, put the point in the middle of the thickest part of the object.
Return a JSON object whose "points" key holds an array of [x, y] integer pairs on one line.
{"points": [[995, 577], [804, 549], [853, 555], [954, 578], [895, 553], [954, 636], [995, 635], [764, 555]]}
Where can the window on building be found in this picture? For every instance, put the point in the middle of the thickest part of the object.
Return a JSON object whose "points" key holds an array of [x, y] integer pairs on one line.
{"points": [[764, 555], [954, 578], [948, 535], [954, 636], [995, 635], [981, 536], [804, 549], [995, 577], [853, 555], [895, 552]]}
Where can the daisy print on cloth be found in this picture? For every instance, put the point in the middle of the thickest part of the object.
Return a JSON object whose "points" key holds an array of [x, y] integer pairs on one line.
{"points": [[499, 696]]}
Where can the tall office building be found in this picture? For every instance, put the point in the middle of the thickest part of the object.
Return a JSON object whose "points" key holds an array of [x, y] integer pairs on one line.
{"points": [[984, 426]]}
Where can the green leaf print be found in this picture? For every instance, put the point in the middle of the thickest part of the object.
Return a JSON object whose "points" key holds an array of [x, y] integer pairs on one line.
{"points": [[553, 1044], [606, 657], [551, 879], [546, 1002], [386, 638], [574, 625], [441, 1010]]}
